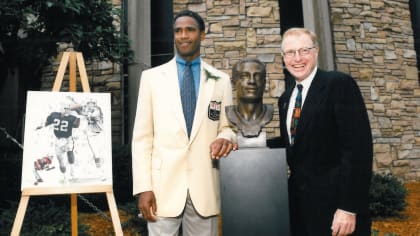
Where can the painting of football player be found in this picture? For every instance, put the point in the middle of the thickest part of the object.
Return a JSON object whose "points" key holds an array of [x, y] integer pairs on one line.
{"points": [[63, 123], [94, 117]]}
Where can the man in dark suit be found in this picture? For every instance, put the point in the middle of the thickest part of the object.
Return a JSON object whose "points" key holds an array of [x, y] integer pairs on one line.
{"points": [[328, 142]]}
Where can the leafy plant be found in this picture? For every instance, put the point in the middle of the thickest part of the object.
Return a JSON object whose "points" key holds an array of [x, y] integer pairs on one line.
{"points": [[41, 218], [31, 31], [387, 196]]}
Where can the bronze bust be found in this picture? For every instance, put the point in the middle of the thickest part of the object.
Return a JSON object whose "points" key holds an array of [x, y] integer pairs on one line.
{"points": [[250, 115]]}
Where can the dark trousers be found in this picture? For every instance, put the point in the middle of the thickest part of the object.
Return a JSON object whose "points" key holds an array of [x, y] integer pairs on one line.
{"points": [[308, 219]]}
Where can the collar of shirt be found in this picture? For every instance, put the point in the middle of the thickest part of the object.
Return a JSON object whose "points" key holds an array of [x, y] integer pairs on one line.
{"points": [[306, 83], [195, 67]]}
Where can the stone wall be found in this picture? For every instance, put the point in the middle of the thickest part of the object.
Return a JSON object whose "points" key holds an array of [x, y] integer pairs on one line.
{"points": [[373, 42]]}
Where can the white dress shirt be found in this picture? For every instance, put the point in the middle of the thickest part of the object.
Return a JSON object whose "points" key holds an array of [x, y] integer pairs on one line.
{"points": [[306, 83]]}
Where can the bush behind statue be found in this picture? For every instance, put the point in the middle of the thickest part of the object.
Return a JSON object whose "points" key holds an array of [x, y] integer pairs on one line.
{"points": [[387, 196]]}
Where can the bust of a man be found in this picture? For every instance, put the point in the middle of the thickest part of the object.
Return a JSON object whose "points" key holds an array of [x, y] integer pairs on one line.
{"points": [[250, 115]]}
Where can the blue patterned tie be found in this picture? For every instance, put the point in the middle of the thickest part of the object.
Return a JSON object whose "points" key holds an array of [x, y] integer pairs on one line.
{"points": [[296, 114], [188, 97]]}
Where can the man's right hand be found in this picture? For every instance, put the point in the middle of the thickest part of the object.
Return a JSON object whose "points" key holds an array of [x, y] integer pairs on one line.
{"points": [[147, 205]]}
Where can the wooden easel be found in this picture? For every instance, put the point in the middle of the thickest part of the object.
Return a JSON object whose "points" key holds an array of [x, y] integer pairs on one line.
{"points": [[71, 58]]}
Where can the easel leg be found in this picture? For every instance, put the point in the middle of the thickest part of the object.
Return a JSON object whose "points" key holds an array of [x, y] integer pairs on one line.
{"points": [[74, 226], [20, 215], [114, 213]]}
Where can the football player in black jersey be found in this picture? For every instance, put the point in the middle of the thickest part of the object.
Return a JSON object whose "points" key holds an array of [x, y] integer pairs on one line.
{"points": [[63, 124]]}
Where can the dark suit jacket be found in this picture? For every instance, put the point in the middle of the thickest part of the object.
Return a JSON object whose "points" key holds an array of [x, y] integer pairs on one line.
{"points": [[331, 160]]}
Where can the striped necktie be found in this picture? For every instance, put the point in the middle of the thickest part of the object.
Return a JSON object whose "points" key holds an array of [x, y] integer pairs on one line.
{"points": [[188, 97], [296, 114]]}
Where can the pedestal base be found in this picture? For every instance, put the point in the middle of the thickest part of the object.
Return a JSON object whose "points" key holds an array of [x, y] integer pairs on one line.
{"points": [[254, 193]]}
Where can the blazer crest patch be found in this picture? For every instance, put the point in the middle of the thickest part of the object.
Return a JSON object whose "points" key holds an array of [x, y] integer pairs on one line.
{"points": [[214, 110]]}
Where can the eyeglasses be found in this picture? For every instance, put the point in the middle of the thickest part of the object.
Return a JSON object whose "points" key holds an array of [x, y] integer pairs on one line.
{"points": [[301, 51]]}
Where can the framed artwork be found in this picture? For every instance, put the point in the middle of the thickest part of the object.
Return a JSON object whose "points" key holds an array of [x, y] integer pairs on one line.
{"points": [[67, 139]]}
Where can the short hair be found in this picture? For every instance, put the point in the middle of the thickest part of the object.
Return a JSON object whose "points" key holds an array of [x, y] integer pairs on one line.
{"points": [[235, 69], [194, 15], [299, 31]]}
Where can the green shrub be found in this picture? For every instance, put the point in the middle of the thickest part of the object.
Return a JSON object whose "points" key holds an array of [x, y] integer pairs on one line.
{"points": [[386, 196], [42, 217]]}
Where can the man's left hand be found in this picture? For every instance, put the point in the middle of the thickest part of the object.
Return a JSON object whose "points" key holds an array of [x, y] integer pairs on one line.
{"points": [[344, 223], [221, 148]]}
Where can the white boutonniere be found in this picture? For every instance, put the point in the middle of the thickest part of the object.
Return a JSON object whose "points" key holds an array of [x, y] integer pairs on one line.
{"points": [[209, 75]]}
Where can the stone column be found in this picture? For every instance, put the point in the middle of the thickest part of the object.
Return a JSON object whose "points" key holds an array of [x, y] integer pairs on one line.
{"points": [[316, 17], [139, 33]]}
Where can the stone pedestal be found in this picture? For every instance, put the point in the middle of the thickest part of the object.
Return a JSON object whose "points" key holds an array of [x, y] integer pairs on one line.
{"points": [[254, 192]]}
